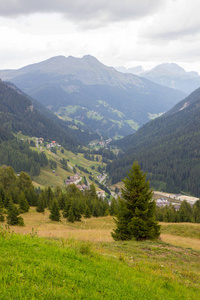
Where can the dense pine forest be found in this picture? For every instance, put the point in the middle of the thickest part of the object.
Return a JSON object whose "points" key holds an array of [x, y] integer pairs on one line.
{"points": [[167, 148]]}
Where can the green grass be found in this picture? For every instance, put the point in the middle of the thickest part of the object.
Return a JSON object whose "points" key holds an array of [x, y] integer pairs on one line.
{"points": [[38, 268], [48, 178], [133, 124], [94, 115], [182, 229]]}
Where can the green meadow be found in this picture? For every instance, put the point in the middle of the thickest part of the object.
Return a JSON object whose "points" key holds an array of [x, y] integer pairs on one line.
{"points": [[59, 260]]}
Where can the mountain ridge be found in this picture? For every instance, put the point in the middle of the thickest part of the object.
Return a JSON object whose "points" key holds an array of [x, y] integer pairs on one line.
{"points": [[102, 98], [170, 75]]}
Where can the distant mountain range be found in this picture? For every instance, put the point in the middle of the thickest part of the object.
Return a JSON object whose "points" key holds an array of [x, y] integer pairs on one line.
{"points": [[167, 148], [170, 75], [84, 91]]}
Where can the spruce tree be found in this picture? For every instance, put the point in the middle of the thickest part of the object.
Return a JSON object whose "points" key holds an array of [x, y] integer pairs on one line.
{"points": [[71, 217], [41, 205], [61, 201], [23, 203], [135, 218], [55, 212], [88, 213], [1, 209], [13, 215]]}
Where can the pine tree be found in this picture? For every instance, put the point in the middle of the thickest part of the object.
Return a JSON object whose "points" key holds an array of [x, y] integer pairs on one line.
{"points": [[41, 205], [23, 203], [13, 215], [113, 207], [1, 209], [88, 213], [61, 201], [196, 211], [71, 217], [135, 218], [55, 212]]}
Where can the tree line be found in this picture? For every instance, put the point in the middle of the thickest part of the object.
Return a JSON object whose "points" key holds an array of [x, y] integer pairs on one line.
{"points": [[186, 213], [17, 194]]}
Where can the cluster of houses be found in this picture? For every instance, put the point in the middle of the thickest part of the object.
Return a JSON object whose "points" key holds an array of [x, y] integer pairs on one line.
{"points": [[82, 187], [161, 202], [52, 144], [101, 143], [73, 179]]}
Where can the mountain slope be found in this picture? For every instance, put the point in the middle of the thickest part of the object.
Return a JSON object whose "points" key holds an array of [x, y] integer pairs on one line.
{"points": [[94, 94], [168, 149], [18, 114]]}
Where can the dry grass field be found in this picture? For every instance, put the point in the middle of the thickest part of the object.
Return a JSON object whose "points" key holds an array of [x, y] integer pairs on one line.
{"points": [[99, 229]]}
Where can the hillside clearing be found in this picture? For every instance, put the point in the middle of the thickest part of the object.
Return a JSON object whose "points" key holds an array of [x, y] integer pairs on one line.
{"points": [[99, 229]]}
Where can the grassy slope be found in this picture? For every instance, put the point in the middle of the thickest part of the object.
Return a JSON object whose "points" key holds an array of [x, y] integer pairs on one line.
{"points": [[37, 268], [47, 177]]}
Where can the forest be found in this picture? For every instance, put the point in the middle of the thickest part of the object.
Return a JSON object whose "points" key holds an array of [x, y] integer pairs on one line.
{"points": [[167, 149], [17, 194], [186, 213]]}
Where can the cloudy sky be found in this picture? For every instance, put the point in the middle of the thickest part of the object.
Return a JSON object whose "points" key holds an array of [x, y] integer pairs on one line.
{"points": [[118, 33]]}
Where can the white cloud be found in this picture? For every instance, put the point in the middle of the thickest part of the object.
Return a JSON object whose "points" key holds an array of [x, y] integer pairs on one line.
{"points": [[115, 10], [129, 32], [179, 18]]}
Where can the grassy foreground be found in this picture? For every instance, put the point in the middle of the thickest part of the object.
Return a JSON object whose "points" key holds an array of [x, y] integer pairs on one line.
{"points": [[41, 268], [81, 261]]}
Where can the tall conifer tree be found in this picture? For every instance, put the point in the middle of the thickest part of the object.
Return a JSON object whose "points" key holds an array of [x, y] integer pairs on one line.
{"points": [[135, 218], [55, 211]]}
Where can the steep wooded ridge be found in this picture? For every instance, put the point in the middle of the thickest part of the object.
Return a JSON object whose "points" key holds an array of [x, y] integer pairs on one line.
{"points": [[18, 114], [98, 96], [167, 148]]}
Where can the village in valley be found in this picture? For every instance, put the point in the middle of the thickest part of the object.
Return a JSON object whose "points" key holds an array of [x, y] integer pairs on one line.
{"points": [[162, 199], [56, 152]]}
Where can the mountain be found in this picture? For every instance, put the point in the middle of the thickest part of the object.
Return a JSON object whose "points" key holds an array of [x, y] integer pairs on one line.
{"points": [[92, 94], [167, 148], [19, 114], [134, 70], [172, 75]]}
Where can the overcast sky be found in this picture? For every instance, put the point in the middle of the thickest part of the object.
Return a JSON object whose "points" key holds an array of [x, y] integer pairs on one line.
{"points": [[118, 33]]}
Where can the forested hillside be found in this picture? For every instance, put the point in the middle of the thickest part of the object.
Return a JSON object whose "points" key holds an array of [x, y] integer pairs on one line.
{"points": [[167, 148], [17, 113]]}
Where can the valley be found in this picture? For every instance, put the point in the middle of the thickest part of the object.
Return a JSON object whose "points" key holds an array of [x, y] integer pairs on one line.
{"points": [[100, 150]]}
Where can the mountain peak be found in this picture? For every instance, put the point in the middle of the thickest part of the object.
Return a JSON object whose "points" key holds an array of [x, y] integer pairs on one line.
{"points": [[171, 68]]}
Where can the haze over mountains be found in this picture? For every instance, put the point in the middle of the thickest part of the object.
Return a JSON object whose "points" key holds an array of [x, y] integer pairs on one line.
{"points": [[168, 74], [167, 148], [92, 94]]}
